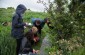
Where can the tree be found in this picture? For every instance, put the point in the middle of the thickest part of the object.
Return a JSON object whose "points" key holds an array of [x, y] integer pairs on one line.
{"points": [[68, 19]]}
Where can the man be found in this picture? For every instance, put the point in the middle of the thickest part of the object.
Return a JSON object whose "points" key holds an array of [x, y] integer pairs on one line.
{"points": [[18, 26], [39, 23]]}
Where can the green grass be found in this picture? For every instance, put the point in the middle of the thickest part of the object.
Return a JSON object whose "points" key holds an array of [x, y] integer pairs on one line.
{"points": [[7, 43]]}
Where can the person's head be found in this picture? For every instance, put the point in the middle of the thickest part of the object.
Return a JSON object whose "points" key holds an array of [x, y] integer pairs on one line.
{"points": [[34, 29], [46, 20], [20, 9], [37, 22]]}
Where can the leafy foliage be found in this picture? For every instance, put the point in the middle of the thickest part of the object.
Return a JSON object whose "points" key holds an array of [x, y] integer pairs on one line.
{"points": [[68, 19]]}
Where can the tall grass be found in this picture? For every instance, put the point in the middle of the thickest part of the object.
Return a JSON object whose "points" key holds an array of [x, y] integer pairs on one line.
{"points": [[7, 43]]}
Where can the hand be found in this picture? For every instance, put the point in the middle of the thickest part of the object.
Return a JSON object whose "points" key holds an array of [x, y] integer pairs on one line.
{"points": [[36, 51], [24, 26], [27, 24], [34, 40]]}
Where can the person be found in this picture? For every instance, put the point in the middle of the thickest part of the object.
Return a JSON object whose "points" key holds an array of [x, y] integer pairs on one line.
{"points": [[49, 24], [31, 35], [39, 23], [18, 26], [28, 40]]}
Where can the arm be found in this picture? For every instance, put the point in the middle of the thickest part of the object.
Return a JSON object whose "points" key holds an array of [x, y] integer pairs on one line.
{"points": [[50, 25], [42, 23], [29, 35], [33, 20], [16, 23]]}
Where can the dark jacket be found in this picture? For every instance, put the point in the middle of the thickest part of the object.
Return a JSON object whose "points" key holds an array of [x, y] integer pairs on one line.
{"points": [[41, 24], [17, 22], [26, 46], [29, 35]]}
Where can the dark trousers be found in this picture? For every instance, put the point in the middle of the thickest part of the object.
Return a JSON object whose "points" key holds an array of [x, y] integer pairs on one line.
{"points": [[39, 31], [18, 41]]}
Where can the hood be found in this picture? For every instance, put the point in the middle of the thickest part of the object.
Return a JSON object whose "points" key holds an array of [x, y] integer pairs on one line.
{"points": [[20, 9]]}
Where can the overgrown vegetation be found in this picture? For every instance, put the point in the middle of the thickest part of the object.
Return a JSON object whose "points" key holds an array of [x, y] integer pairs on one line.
{"points": [[68, 19], [7, 43], [67, 36]]}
